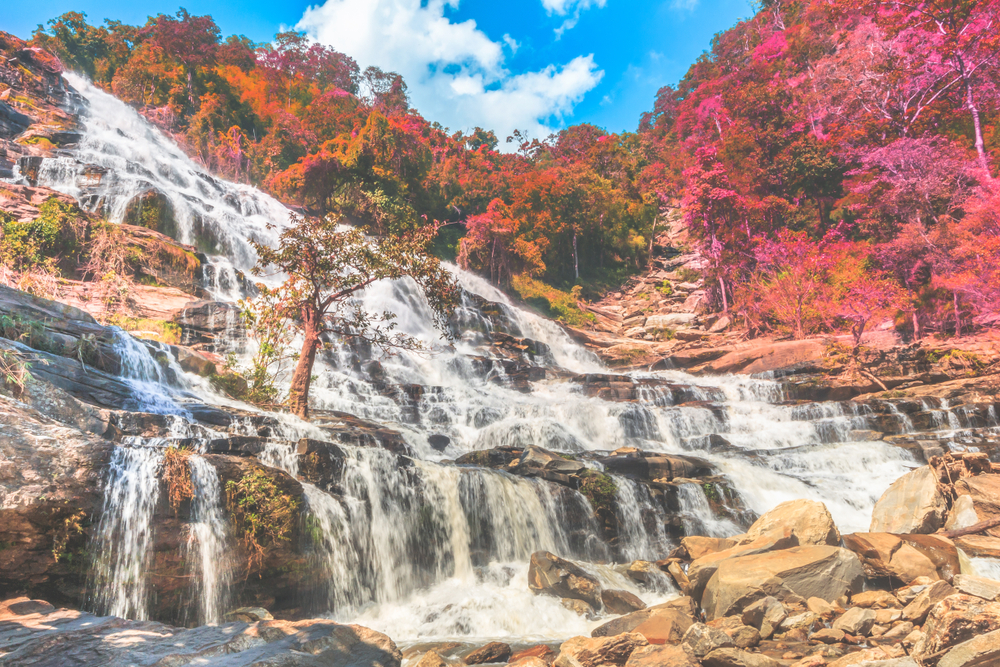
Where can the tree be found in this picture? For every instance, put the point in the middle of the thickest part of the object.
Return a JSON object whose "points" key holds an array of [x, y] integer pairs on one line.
{"points": [[327, 270]]}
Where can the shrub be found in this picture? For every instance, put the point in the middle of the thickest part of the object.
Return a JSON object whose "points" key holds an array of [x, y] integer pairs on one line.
{"points": [[176, 474], [262, 515], [598, 488], [553, 302]]}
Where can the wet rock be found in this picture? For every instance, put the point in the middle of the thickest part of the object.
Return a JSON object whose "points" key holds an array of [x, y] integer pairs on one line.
{"points": [[550, 575], [979, 546], [913, 504], [41, 638], [809, 520], [209, 324], [828, 636], [934, 593], [856, 621], [621, 602], [580, 607], [643, 573], [704, 639], [599, 652], [800, 572], [492, 652], [439, 442], [431, 659], [541, 652], [663, 656], [734, 657], [249, 615]]}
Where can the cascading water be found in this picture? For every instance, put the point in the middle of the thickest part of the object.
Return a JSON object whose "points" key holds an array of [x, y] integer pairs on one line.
{"points": [[428, 549], [207, 543], [125, 533]]}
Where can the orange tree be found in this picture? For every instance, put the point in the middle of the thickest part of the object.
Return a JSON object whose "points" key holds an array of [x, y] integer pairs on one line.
{"points": [[327, 270]]}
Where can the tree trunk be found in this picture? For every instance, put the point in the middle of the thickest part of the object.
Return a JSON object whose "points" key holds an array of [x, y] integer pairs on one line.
{"points": [[722, 289], [298, 392], [980, 144], [576, 260], [958, 317], [916, 326]]}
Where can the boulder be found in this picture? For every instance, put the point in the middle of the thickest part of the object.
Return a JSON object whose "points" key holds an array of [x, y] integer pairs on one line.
{"points": [[828, 636], [809, 520], [492, 652], [981, 651], [956, 619], [806, 620], [703, 639], [599, 652], [621, 602], [431, 659], [550, 575], [765, 615], [663, 656], [962, 514], [798, 573], [913, 504], [916, 611], [698, 547], [701, 571], [979, 546], [875, 600], [679, 611], [734, 657], [904, 558], [666, 627], [249, 615], [984, 490], [856, 621]]}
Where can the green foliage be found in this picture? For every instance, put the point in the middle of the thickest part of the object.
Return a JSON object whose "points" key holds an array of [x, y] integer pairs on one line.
{"points": [[29, 332], [553, 302], [665, 288], [14, 373], [599, 489], [261, 513]]}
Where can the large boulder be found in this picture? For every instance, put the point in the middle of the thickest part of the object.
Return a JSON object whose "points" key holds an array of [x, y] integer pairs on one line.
{"points": [[980, 651], [809, 520], [34, 633], [663, 656], [550, 575], [798, 573], [984, 490], [904, 557], [913, 504], [703, 569], [679, 612]]}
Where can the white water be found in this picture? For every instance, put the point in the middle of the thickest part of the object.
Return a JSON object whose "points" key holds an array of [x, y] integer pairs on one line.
{"points": [[207, 543], [433, 550], [125, 533]]}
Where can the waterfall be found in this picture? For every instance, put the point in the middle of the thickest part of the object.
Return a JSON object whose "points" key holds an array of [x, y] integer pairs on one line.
{"points": [[207, 543], [125, 533], [636, 540], [697, 514]]}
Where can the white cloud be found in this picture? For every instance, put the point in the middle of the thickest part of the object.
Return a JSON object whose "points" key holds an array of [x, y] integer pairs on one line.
{"points": [[684, 5], [455, 73], [564, 7]]}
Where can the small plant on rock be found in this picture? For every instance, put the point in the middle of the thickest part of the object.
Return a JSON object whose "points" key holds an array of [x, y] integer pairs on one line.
{"points": [[261, 513], [176, 473], [599, 489]]}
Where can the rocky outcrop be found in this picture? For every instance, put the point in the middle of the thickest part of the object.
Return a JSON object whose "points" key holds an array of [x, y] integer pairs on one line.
{"points": [[35, 633], [550, 575], [598, 652], [913, 504], [809, 520], [903, 558]]}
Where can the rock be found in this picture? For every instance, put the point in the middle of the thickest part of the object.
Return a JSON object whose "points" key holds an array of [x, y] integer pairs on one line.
{"points": [[663, 656], [828, 636], [981, 651], [913, 504], [698, 547], [550, 575], [916, 611], [643, 572], [856, 621], [970, 584], [979, 546], [431, 659], [704, 639], [598, 652], [985, 493], [809, 520], [820, 607], [904, 557], [701, 571], [806, 621], [528, 661], [676, 612], [765, 615], [734, 657], [579, 607], [897, 633], [492, 652], [720, 324], [621, 602], [887, 616], [875, 600], [824, 572], [668, 321], [962, 514], [249, 615], [956, 619], [541, 652], [664, 628], [39, 637]]}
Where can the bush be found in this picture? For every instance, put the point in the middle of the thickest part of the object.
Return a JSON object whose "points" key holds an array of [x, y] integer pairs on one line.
{"points": [[599, 489], [176, 474], [555, 303], [262, 515]]}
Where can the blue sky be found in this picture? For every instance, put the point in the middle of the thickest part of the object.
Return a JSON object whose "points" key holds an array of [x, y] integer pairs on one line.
{"points": [[534, 65]]}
